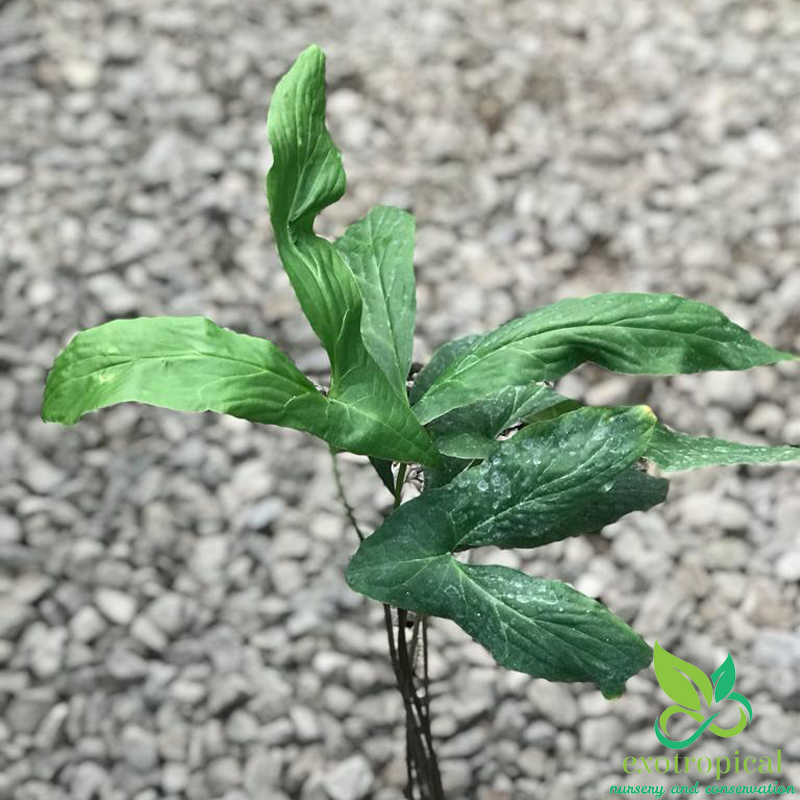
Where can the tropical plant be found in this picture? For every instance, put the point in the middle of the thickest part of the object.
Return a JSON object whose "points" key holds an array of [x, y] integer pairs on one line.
{"points": [[505, 461]]}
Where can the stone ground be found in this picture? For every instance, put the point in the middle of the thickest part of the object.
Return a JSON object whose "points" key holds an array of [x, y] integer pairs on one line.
{"points": [[174, 622]]}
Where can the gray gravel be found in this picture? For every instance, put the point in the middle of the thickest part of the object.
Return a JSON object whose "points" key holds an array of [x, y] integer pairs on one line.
{"points": [[173, 620]]}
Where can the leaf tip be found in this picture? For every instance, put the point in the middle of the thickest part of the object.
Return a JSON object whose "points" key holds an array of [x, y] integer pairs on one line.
{"points": [[50, 416], [48, 413], [314, 54], [612, 692]]}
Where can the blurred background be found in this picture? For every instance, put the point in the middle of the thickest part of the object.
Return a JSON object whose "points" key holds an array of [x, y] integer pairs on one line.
{"points": [[174, 621]]}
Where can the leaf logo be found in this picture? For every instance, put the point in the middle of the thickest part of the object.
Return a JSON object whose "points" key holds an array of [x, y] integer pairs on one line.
{"points": [[688, 685]]}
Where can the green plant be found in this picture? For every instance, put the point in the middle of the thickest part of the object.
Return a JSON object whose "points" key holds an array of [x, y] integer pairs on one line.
{"points": [[506, 460]]}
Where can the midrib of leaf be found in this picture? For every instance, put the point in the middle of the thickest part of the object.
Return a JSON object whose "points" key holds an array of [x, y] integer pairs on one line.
{"points": [[355, 410], [475, 361], [493, 601], [378, 264], [497, 602], [429, 561], [291, 218], [259, 368], [469, 360]]}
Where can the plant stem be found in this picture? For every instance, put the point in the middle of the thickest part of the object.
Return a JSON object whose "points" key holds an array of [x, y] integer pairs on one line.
{"points": [[348, 509], [398, 486], [421, 754], [421, 761], [422, 768]]}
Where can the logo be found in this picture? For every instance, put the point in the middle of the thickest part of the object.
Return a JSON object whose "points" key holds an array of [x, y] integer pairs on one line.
{"points": [[686, 684]]}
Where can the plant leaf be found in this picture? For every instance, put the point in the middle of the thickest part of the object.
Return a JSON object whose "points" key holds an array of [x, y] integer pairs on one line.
{"points": [[191, 364], [625, 332], [553, 480], [556, 479], [673, 451], [442, 473], [669, 672], [183, 363], [384, 470], [306, 176], [541, 627], [470, 432], [723, 677], [440, 361], [379, 250]]}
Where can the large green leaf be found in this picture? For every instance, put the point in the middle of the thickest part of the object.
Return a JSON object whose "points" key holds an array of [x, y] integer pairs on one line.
{"points": [[379, 250], [183, 363], [191, 364], [541, 627], [556, 479], [628, 333], [552, 480], [673, 451], [307, 176]]}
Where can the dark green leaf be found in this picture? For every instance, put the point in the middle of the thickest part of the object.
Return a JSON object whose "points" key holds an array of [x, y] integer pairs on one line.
{"points": [[442, 473], [384, 470], [628, 333], [468, 432], [307, 176], [379, 250], [554, 479], [543, 628], [471, 432], [673, 451], [551, 411]]}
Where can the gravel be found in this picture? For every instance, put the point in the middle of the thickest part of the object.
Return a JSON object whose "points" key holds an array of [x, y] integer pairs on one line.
{"points": [[350, 780], [115, 605], [173, 616]]}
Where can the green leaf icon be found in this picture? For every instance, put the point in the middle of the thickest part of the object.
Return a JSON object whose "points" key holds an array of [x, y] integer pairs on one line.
{"points": [[724, 676], [672, 672]]}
